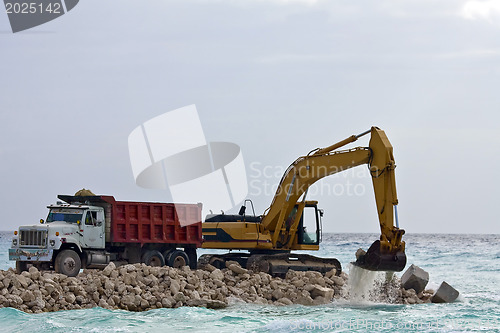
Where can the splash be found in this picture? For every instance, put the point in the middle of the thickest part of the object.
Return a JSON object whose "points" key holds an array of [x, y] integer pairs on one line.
{"points": [[366, 286], [360, 283]]}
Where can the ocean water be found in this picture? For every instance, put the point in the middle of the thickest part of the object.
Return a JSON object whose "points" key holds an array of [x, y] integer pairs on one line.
{"points": [[470, 263]]}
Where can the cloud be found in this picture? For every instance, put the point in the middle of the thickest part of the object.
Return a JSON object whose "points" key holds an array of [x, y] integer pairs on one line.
{"points": [[485, 10], [472, 53], [305, 2]]}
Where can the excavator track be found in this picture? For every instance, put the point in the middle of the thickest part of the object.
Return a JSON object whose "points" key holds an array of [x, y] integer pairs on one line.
{"points": [[279, 264], [273, 264], [219, 260]]}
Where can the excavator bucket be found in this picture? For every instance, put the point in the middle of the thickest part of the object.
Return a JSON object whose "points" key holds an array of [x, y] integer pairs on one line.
{"points": [[375, 260]]}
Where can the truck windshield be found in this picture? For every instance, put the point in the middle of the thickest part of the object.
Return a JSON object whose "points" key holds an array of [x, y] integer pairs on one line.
{"points": [[66, 215]]}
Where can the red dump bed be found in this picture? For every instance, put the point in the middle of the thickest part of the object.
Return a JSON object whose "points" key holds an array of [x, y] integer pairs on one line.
{"points": [[145, 222]]}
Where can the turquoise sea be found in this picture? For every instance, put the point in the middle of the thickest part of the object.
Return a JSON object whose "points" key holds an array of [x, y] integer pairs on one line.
{"points": [[470, 263]]}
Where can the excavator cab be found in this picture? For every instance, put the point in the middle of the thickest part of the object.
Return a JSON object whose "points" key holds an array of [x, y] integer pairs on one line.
{"points": [[309, 230]]}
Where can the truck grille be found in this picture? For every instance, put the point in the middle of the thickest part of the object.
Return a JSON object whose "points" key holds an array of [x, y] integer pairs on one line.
{"points": [[36, 238]]}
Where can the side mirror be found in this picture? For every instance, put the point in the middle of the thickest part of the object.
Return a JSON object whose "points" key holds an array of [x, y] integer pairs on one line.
{"points": [[321, 212], [41, 221], [242, 210]]}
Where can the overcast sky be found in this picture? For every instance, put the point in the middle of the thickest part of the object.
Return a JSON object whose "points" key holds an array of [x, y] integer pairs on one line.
{"points": [[278, 78]]}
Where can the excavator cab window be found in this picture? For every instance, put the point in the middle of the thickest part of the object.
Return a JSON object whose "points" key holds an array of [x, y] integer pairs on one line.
{"points": [[309, 226]]}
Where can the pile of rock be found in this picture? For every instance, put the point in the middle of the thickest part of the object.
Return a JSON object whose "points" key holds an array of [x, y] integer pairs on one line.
{"points": [[139, 288]]}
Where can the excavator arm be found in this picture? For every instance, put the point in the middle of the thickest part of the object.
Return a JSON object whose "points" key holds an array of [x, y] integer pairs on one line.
{"points": [[387, 253]]}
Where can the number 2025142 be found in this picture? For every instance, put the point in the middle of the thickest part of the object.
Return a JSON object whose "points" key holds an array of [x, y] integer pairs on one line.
{"points": [[32, 8]]}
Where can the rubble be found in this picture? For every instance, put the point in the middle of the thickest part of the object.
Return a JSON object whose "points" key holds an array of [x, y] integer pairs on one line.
{"points": [[139, 287]]}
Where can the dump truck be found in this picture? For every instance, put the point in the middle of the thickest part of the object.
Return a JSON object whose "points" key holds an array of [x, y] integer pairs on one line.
{"points": [[90, 231]]}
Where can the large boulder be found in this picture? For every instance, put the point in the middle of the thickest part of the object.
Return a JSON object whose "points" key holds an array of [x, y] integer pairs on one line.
{"points": [[215, 304], [109, 268], [415, 278], [445, 294], [319, 291], [236, 268], [217, 275]]}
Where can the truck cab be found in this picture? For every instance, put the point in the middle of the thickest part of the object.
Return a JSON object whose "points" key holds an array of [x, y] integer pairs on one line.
{"points": [[67, 227], [86, 222]]}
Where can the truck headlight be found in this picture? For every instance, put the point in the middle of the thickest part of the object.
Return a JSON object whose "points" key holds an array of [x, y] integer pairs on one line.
{"points": [[52, 242], [14, 241]]}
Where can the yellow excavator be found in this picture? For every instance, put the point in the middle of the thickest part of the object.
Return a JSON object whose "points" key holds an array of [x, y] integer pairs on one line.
{"points": [[267, 240]]}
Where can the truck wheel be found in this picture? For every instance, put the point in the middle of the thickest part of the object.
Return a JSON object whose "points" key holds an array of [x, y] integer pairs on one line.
{"points": [[191, 253], [166, 254], [68, 262], [178, 259], [21, 266], [153, 258]]}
